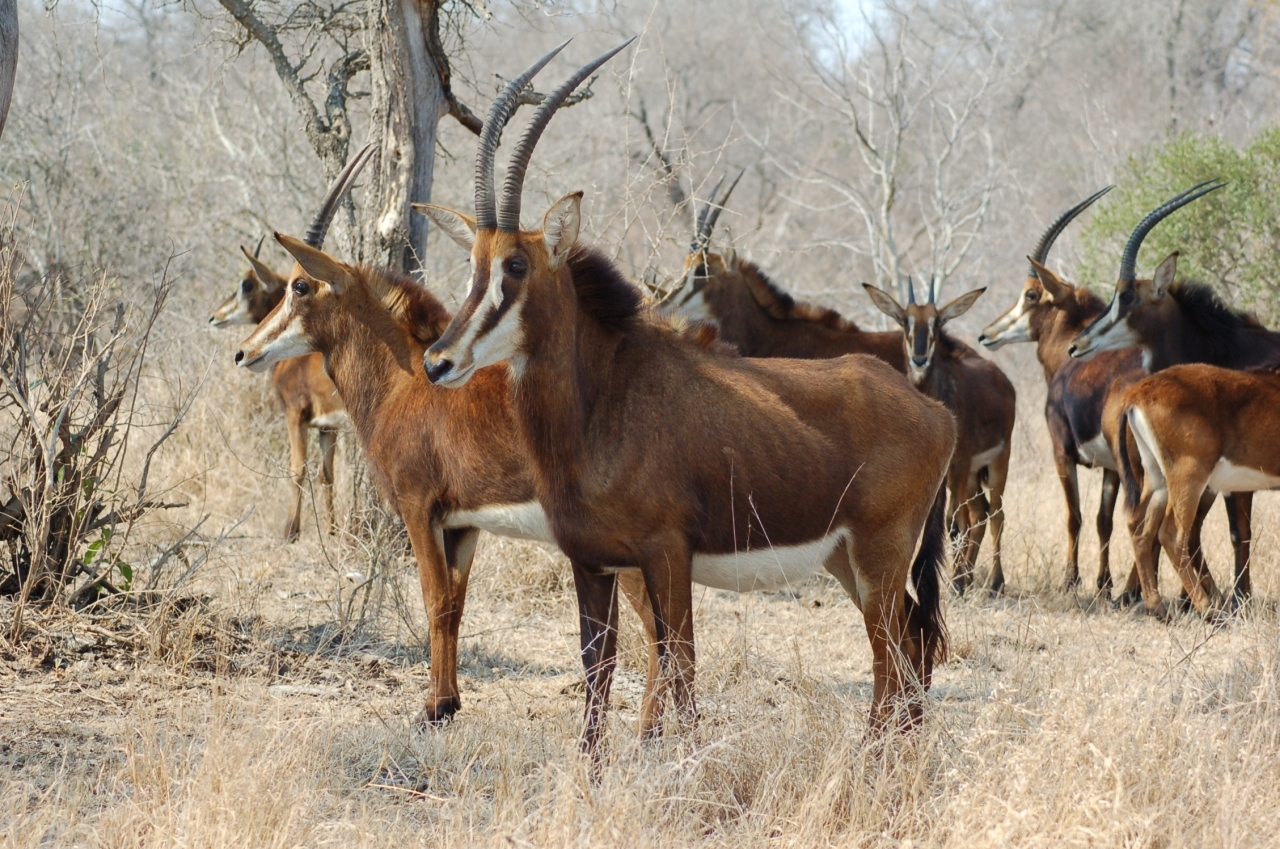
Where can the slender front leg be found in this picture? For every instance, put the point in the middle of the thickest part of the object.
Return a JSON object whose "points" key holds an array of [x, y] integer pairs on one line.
{"points": [[598, 624], [1070, 489], [1106, 523], [997, 476], [667, 578], [459, 552], [443, 591], [328, 447], [1240, 520], [1144, 529], [631, 582], [297, 470]]}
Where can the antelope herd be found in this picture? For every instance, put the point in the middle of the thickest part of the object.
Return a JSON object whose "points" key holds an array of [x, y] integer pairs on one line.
{"points": [[730, 436]]}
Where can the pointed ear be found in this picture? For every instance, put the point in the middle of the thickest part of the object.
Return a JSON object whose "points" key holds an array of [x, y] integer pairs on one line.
{"points": [[262, 271], [960, 305], [1165, 273], [316, 263], [560, 227], [457, 226], [887, 304], [1056, 290]]}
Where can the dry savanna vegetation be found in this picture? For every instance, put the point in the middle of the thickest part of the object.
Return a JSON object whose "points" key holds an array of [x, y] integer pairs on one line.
{"points": [[174, 672]]}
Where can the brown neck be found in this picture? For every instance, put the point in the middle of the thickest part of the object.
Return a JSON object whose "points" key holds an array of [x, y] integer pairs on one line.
{"points": [[567, 360]]}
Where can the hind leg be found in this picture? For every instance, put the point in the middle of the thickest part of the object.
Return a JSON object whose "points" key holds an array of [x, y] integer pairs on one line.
{"points": [[979, 516], [328, 447], [1240, 520], [997, 476], [1106, 523], [297, 425], [631, 582]]}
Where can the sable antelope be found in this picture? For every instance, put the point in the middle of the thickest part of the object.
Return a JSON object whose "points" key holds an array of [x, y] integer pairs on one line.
{"points": [[752, 312], [1197, 429], [450, 463], [651, 453], [1190, 325], [983, 402], [309, 397], [1081, 409]]}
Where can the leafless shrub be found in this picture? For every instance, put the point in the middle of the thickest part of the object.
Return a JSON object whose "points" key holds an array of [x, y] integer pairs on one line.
{"points": [[71, 355]]}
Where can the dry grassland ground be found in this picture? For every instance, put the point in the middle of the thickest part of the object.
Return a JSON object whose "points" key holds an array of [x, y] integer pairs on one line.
{"points": [[234, 722]]}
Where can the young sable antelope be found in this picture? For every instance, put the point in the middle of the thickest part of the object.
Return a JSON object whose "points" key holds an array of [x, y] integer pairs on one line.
{"points": [[983, 401], [309, 398], [1175, 323], [755, 314], [450, 463], [654, 454]]}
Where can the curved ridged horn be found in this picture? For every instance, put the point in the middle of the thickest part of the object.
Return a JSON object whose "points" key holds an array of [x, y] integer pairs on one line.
{"points": [[1129, 260], [933, 289], [513, 185], [700, 224], [494, 123], [329, 207], [712, 213], [911, 290], [258, 249], [1054, 230]]}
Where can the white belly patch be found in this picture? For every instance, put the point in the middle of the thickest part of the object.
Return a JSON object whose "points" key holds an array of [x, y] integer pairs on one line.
{"points": [[523, 521], [1096, 453], [981, 461], [1227, 477], [765, 568]]}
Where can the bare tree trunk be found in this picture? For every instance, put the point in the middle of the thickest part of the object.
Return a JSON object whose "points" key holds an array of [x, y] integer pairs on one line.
{"points": [[408, 102], [8, 54]]}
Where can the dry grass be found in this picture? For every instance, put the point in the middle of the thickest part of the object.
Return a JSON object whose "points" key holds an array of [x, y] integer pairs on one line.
{"points": [[240, 722]]}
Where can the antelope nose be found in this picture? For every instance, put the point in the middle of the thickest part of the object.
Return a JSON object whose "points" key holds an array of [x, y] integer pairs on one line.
{"points": [[919, 361], [239, 357], [984, 339], [1073, 351], [438, 370]]}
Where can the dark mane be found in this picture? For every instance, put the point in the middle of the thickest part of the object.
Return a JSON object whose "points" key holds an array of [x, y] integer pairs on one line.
{"points": [[950, 346], [602, 290], [1208, 311], [410, 303], [780, 305]]}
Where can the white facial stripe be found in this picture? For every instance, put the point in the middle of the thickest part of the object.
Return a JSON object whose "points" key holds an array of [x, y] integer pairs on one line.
{"points": [[495, 283], [284, 335]]}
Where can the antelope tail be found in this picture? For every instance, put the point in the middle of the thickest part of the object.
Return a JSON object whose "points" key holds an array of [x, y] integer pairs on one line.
{"points": [[925, 612], [1130, 463]]}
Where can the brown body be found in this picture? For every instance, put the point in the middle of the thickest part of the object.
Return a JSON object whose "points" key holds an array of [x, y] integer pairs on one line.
{"points": [[1197, 429], [750, 311], [308, 396], [653, 453], [450, 463], [1174, 324], [984, 404]]}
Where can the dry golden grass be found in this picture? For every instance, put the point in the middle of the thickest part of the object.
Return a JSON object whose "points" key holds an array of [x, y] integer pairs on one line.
{"points": [[235, 725]]}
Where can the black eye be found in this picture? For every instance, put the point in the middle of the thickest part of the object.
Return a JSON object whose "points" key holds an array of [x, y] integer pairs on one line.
{"points": [[516, 267], [246, 286], [301, 288], [1033, 295], [1127, 297]]}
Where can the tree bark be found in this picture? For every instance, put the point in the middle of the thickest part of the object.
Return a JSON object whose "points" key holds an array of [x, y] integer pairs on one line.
{"points": [[408, 100], [8, 55]]}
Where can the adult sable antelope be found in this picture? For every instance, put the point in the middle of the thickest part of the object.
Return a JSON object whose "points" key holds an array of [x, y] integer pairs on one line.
{"points": [[309, 397], [651, 453], [1178, 323], [1081, 409], [983, 402], [754, 313]]}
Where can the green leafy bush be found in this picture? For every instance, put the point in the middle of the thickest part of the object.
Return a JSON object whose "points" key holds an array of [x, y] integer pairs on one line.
{"points": [[1230, 238]]}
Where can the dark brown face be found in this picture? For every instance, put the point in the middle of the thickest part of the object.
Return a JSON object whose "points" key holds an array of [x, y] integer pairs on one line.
{"points": [[1114, 329], [488, 327], [703, 290]]}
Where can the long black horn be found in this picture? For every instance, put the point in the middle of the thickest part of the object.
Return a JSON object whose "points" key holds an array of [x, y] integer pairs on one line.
{"points": [[1129, 260], [717, 207], [329, 207], [911, 290], [1041, 253], [700, 224], [258, 249], [494, 123], [933, 289], [513, 184]]}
